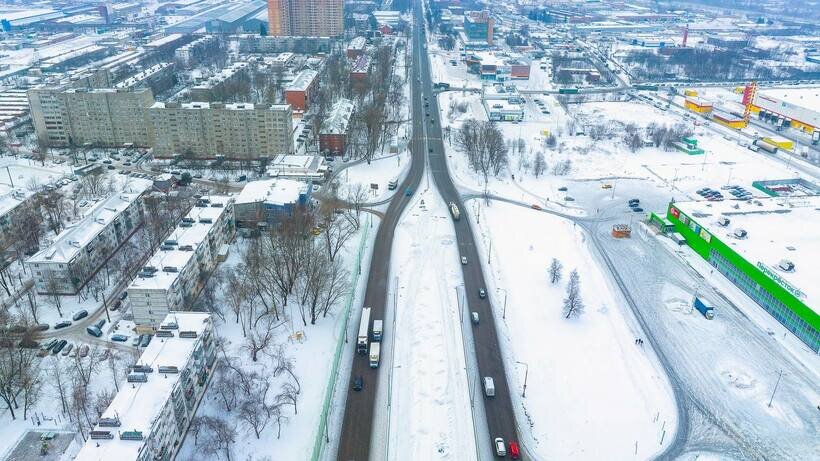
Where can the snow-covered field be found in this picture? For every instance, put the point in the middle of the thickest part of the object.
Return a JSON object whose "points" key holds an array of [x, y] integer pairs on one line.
{"points": [[592, 392], [431, 416]]}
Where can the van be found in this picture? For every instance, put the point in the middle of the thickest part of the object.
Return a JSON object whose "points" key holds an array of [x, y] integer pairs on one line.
{"points": [[489, 386], [393, 184], [378, 327]]}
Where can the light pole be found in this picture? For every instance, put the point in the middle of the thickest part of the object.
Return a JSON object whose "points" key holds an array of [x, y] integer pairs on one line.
{"points": [[780, 375], [526, 374]]}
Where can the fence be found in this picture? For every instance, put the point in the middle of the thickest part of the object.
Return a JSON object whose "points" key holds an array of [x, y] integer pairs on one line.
{"points": [[318, 444]]}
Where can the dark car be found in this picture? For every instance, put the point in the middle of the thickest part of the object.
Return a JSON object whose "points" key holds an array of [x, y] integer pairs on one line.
{"points": [[408, 192], [637, 209], [63, 324], [481, 293], [562, 189], [145, 341], [80, 315], [119, 338], [59, 347], [358, 383], [41, 327], [123, 295]]}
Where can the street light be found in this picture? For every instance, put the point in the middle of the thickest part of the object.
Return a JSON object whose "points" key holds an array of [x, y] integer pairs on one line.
{"points": [[526, 374]]}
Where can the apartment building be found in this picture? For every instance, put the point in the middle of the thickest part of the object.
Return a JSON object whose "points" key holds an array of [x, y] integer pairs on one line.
{"points": [[82, 249], [149, 417], [213, 88], [306, 18], [333, 133], [300, 92], [236, 131], [100, 117], [175, 274]]}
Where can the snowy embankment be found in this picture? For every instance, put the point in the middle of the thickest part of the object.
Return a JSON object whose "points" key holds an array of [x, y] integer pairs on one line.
{"points": [[430, 400], [592, 393]]}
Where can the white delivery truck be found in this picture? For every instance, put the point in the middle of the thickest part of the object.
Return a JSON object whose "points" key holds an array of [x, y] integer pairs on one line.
{"points": [[378, 328], [375, 349], [489, 386], [364, 328]]}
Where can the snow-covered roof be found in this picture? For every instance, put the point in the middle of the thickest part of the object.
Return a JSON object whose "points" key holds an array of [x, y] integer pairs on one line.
{"points": [[780, 228], [337, 121], [357, 43], [145, 74], [203, 220], [803, 97], [273, 191], [77, 236], [138, 405], [303, 80]]}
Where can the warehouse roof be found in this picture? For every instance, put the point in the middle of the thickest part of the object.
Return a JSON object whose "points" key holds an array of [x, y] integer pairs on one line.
{"points": [[771, 236]]}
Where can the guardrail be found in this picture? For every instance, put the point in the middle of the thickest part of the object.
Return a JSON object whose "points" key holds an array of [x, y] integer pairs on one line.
{"points": [[330, 388]]}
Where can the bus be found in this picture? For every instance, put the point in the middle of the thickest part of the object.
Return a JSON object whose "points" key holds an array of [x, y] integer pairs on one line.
{"points": [[364, 328]]}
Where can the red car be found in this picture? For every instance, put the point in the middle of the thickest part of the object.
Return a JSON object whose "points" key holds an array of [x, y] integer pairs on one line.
{"points": [[515, 453]]}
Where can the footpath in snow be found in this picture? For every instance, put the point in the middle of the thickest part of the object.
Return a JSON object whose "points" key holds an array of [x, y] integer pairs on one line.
{"points": [[431, 417], [592, 392]]}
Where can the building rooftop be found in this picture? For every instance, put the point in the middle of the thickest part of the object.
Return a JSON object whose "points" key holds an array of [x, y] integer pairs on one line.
{"points": [[771, 236], [303, 80], [273, 191], [74, 238], [169, 263], [339, 117], [138, 405], [808, 98]]}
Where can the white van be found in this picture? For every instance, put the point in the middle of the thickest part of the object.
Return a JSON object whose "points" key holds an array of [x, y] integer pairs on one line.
{"points": [[393, 184], [489, 387]]}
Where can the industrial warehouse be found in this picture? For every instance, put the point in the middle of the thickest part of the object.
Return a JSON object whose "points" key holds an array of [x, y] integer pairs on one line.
{"points": [[763, 253]]}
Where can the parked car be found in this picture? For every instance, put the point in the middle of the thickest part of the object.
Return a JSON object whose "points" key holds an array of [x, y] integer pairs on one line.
{"points": [[41, 327], [358, 383], [63, 324], [58, 347], [80, 315], [84, 350], [119, 338], [500, 449], [67, 349], [146, 340], [136, 341]]}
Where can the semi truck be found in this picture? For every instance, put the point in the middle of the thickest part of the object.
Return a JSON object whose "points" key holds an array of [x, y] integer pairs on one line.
{"points": [[364, 329], [454, 211], [761, 144], [375, 349], [707, 311]]}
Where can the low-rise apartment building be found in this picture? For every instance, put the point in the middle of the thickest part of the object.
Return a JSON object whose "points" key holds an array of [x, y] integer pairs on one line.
{"points": [[300, 92], [176, 273], [236, 131], [149, 417], [100, 117], [80, 250], [333, 133]]}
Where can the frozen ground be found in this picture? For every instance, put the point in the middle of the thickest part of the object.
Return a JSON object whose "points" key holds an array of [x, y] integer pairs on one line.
{"points": [[725, 369], [312, 356], [431, 417], [592, 392]]}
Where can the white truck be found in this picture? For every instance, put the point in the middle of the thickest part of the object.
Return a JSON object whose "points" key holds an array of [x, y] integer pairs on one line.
{"points": [[378, 329], [375, 349], [364, 329]]}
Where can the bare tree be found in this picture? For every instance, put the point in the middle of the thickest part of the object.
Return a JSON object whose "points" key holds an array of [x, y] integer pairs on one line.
{"points": [[225, 384], [260, 336], [539, 164], [336, 233], [562, 168], [15, 373], [284, 364], [573, 304], [215, 436], [555, 271], [289, 396]]}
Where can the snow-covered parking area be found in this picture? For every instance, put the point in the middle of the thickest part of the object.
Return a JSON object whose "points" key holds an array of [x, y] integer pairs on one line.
{"points": [[592, 392]]}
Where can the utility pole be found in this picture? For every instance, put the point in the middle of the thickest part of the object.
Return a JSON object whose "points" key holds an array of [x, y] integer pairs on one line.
{"points": [[526, 375], [779, 375]]}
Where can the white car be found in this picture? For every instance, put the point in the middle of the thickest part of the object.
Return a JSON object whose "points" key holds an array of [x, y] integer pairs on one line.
{"points": [[464, 260], [500, 448]]}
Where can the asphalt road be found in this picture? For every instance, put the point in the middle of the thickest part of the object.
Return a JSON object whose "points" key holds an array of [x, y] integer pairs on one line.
{"points": [[498, 409], [357, 425]]}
